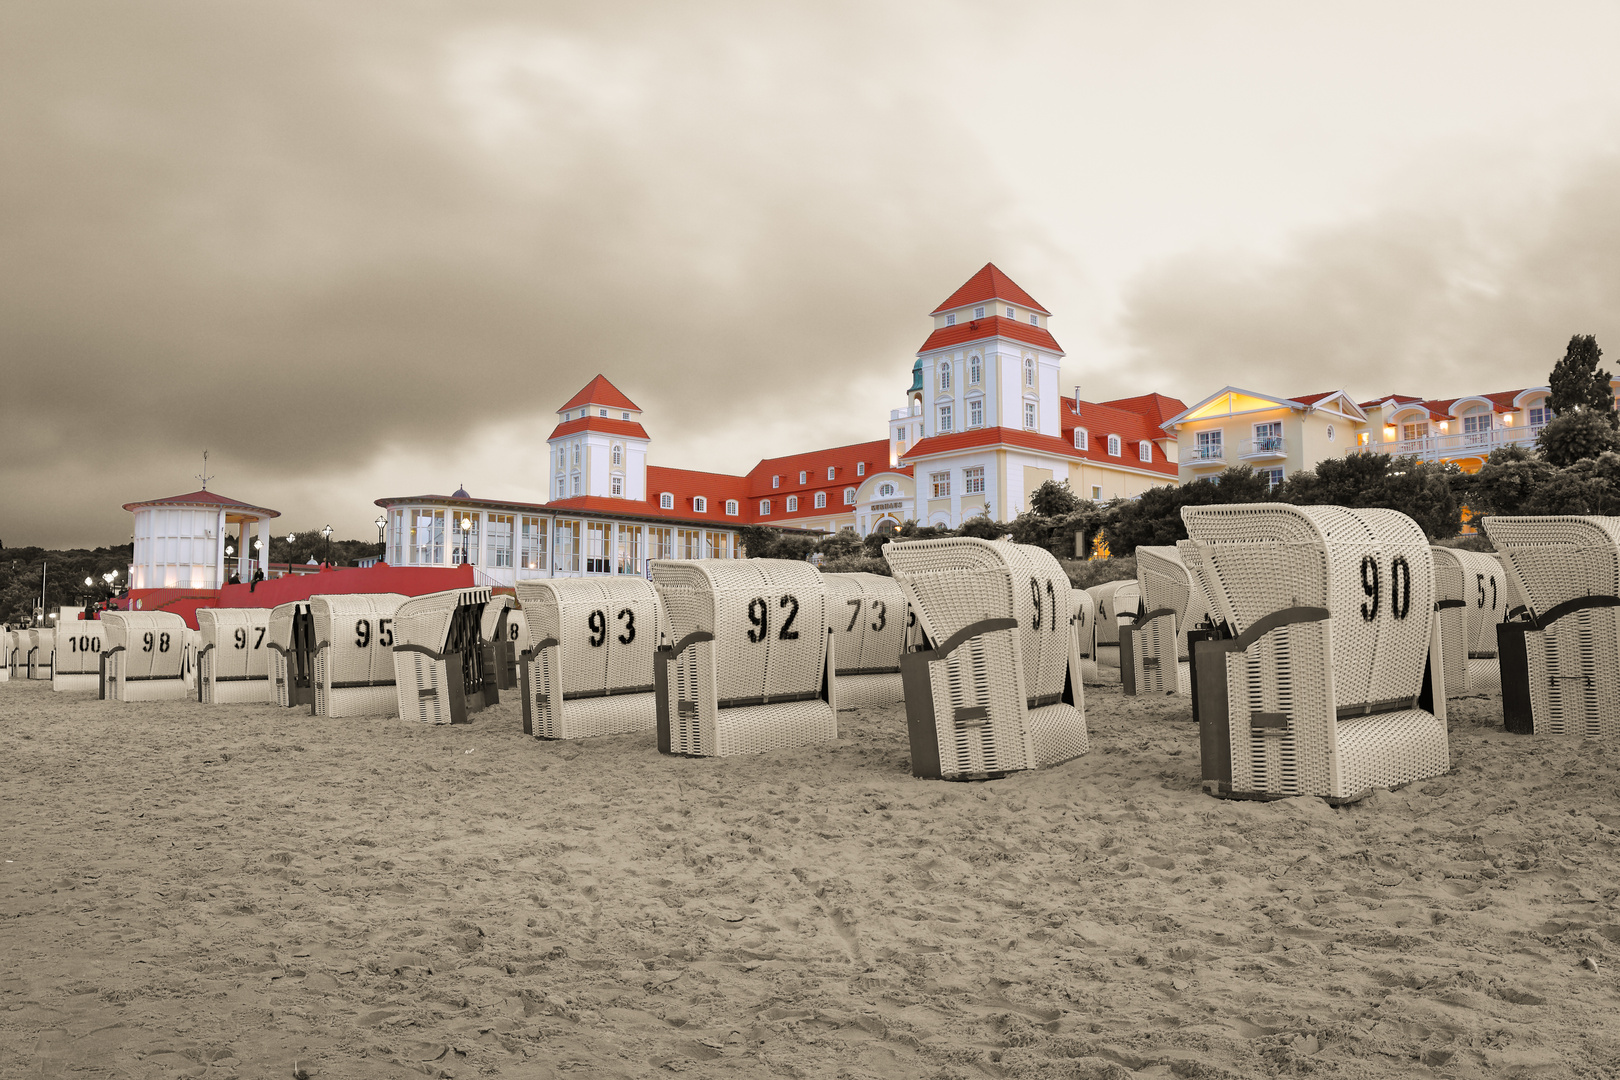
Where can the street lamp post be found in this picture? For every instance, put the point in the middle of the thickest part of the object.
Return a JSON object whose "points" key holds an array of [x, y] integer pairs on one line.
{"points": [[292, 538], [380, 522], [326, 534], [466, 539], [230, 550]]}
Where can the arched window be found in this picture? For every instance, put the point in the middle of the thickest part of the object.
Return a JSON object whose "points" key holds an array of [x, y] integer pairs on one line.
{"points": [[945, 376], [1029, 373], [849, 496], [618, 454], [700, 504], [764, 507], [1144, 450], [821, 500], [576, 455], [1082, 439], [1113, 446], [666, 501], [885, 490], [973, 371], [731, 507], [793, 503]]}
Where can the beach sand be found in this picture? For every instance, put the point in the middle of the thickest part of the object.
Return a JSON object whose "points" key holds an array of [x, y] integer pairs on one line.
{"points": [[245, 891]]}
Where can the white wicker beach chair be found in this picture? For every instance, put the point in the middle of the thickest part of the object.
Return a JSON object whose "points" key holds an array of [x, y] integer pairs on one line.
{"points": [[77, 665], [1153, 647], [587, 666], [233, 661], [41, 653], [439, 657], [1118, 603], [751, 666], [1083, 615], [869, 636], [1470, 598], [1318, 680], [1560, 658], [504, 634], [144, 657], [291, 641], [352, 661], [999, 689]]}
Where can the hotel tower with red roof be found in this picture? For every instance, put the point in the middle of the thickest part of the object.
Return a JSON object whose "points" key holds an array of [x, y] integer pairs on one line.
{"points": [[983, 425]]}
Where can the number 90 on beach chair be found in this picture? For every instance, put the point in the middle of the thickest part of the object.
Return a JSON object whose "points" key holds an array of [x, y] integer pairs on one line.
{"points": [[587, 668], [1560, 657], [998, 689], [1321, 676], [751, 665], [144, 657], [233, 660]]}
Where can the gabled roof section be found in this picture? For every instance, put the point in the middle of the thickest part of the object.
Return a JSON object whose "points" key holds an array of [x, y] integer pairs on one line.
{"points": [[989, 284], [989, 436], [1334, 401], [205, 498], [606, 424], [599, 392], [1156, 407], [990, 326], [1234, 400], [841, 459]]}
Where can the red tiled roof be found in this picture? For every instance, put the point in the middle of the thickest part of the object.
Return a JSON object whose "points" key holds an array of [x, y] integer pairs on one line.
{"points": [[989, 284], [1397, 398], [988, 327], [990, 436], [1156, 407], [814, 463], [1312, 399], [605, 424], [205, 498], [600, 392], [1102, 419]]}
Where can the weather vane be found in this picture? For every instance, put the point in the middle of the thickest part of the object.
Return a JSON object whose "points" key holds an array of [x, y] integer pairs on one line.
{"points": [[203, 476]]}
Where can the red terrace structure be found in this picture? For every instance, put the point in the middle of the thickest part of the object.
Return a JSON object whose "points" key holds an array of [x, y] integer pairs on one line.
{"points": [[984, 426]]}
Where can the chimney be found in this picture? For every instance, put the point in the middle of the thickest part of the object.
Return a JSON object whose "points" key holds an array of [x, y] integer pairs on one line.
{"points": [[1077, 399]]}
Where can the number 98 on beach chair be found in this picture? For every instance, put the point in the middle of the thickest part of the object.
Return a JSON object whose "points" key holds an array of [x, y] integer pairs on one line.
{"points": [[145, 656], [998, 689], [1320, 678], [751, 666]]}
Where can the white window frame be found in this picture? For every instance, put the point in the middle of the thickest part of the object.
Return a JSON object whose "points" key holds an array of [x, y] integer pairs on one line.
{"points": [[601, 412], [731, 507], [625, 415], [1011, 314], [975, 371], [618, 454], [700, 504], [1034, 319], [1096, 492], [832, 470], [978, 312], [793, 504], [666, 501], [616, 486], [950, 320], [849, 496], [821, 500], [973, 480], [1032, 416], [940, 484], [1274, 477], [945, 419], [776, 481], [945, 375], [804, 476], [860, 468], [1144, 451], [764, 507], [885, 491], [1114, 449], [1029, 371], [1082, 439], [975, 413]]}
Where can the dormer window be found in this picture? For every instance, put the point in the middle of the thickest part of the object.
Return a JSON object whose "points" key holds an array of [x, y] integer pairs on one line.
{"points": [[764, 507], [831, 471], [666, 501], [1113, 446], [1082, 439], [731, 507], [950, 320], [821, 500], [700, 504], [860, 468], [1144, 450], [601, 412], [624, 415], [793, 504], [804, 477], [849, 496], [776, 481], [1034, 320], [978, 313]]}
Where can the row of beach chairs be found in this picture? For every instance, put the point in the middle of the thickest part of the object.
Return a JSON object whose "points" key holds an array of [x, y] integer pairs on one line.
{"points": [[1318, 646]]}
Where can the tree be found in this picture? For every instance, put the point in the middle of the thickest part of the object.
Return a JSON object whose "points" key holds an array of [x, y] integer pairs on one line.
{"points": [[1506, 482], [983, 527], [1589, 486], [1578, 385], [1572, 436], [1154, 517], [764, 542], [1053, 499]]}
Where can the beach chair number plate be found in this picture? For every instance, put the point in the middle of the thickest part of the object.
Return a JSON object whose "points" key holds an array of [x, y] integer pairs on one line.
{"points": [[1400, 587], [241, 637], [598, 622], [162, 642], [759, 613], [881, 608], [385, 633], [84, 644]]}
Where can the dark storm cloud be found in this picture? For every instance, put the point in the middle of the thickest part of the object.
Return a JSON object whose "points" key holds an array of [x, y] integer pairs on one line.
{"points": [[301, 235], [1435, 301]]}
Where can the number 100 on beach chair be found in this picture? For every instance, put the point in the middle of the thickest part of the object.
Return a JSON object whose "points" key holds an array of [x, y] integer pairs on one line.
{"points": [[998, 688], [1322, 677], [750, 667]]}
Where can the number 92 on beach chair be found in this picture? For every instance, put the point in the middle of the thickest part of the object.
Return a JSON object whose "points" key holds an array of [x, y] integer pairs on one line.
{"points": [[587, 668], [998, 689], [750, 667], [1321, 675]]}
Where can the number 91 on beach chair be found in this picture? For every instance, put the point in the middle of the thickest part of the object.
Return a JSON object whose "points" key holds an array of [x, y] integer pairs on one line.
{"points": [[751, 666], [998, 688], [587, 668], [1321, 675], [233, 659], [145, 656], [1560, 657]]}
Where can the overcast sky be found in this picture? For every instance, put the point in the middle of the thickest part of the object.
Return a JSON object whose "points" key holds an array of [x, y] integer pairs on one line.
{"points": [[368, 249]]}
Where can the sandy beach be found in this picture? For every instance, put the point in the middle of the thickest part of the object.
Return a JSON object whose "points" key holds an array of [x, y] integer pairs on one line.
{"points": [[244, 891]]}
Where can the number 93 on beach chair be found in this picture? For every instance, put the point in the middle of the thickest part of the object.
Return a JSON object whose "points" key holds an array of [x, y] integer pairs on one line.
{"points": [[998, 687], [144, 657], [587, 668], [1560, 656], [868, 616], [233, 659], [751, 666], [352, 665], [439, 657], [1320, 677]]}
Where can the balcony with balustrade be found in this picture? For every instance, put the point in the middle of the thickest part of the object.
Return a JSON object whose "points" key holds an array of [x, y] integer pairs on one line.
{"points": [[1454, 447], [1263, 448], [1204, 456]]}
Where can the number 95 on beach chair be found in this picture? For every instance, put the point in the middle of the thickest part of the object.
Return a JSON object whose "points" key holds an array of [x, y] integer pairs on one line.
{"points": [[587, 667], [353, 667], [1321, 676], [1560, 658], [750, 667], [998, 689]]}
